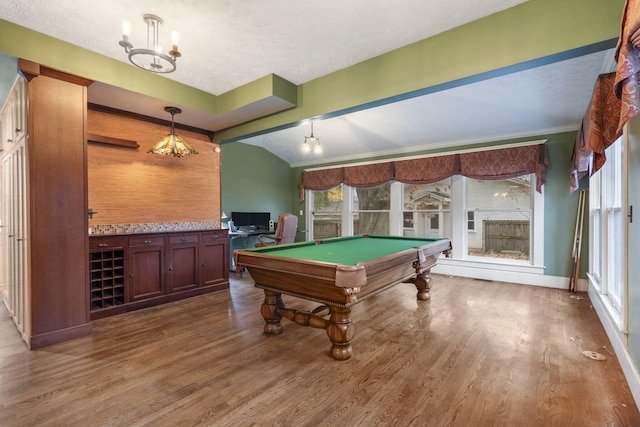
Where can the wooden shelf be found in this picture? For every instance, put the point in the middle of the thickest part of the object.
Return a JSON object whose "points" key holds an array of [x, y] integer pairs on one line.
{"points": [[92, 137]]}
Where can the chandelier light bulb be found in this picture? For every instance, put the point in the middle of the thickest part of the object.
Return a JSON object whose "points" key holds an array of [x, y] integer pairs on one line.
{"points": [[126, 29]]}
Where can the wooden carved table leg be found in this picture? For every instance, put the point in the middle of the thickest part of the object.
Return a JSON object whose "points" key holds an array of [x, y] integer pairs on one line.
{"points": [[269, 311], [341, 331], [423, 283]]}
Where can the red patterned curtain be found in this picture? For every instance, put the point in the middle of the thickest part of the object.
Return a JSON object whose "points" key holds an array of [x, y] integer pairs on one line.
{"points": [[495, 164], [628, 58], [427, 170], [598, 131], [368, 175], [506, 163], [322, 179]]}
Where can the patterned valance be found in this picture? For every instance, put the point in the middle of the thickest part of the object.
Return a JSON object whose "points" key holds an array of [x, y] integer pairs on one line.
{"points": [[615, 100], [500, 163], [598, 131], [628, 58]]}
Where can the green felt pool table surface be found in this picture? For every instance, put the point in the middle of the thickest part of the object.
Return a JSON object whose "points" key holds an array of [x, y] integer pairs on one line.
{"points": [[346, 250]]}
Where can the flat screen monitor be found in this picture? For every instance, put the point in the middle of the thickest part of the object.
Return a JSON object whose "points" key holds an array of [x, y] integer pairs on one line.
{"points": [[251, 219]]}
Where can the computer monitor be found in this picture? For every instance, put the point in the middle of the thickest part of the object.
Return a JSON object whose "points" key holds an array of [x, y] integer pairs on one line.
{"points": [[251, 219]]}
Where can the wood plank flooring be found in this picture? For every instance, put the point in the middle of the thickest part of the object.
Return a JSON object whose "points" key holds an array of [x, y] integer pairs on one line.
{"points": [[478, 354]]}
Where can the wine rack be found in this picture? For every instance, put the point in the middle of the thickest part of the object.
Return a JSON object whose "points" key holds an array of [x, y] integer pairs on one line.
{"points": [[107, 279]]}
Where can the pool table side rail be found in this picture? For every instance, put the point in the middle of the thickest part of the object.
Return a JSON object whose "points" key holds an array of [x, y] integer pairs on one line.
{"points": [[331, 283]]}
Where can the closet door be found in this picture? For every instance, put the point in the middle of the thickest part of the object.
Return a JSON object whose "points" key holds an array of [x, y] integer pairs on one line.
{"points": [[14, 230]]}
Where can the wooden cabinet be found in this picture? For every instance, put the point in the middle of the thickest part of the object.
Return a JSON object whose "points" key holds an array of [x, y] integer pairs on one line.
{"points": [[136, 271], [182, 260], [146, 267], [213, 249]]}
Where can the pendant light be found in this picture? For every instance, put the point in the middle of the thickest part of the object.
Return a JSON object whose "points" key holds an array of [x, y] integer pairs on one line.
{"points": [[172, 144]]}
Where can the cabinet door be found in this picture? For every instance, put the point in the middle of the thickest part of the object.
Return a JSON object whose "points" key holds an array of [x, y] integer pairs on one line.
{"points": [[213, 255], [146, 262], [182, 272]]}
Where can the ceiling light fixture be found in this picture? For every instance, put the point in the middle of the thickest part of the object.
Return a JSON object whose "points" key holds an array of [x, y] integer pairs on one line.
{"points": [[172, 144], [152, 58], [311, 140]]}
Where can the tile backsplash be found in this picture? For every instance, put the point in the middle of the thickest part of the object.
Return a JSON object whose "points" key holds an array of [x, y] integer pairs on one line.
{"points": [[156, 227]]}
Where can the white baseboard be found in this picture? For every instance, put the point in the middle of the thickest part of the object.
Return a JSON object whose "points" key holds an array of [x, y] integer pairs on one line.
{"points": [[528, 276], [617, 342]]}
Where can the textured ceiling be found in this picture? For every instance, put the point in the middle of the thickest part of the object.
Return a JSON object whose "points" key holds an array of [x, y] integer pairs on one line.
{"points": [[228, 43]]}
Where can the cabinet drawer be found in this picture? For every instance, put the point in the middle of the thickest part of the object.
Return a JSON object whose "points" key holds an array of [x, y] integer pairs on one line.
{"points": [[101, 243], [145, 241], [211, 237], [189, 238]]}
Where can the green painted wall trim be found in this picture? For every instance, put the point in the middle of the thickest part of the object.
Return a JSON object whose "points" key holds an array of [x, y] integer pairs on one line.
{"points": [[21, 42], [527, 32], [265, 87]]}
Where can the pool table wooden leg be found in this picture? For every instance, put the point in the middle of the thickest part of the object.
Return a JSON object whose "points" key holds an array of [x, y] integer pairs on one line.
{"points": [[423, 283], [269, 311], [341, 331]]}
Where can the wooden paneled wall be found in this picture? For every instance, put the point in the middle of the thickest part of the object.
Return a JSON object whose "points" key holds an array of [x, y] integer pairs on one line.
{"points": [[130, 186]]}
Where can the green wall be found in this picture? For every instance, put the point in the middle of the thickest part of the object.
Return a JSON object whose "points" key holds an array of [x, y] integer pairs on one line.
{"points": [[254, 180], [560, 208], [560, 205]]}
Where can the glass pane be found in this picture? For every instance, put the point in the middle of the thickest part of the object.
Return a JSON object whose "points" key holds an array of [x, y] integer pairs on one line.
{"points": [[373, 198], [616, 242], [371, 209], [597, 244], [501, 218], [371, 223], [427, 209], [327, 213]]}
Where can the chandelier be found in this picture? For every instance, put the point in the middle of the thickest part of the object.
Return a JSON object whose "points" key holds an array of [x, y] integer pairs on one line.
{"points": [[172, 144], [151, 58], [311, 140]]}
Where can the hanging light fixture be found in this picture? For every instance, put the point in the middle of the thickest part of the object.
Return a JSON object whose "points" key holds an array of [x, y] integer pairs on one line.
{"points": [[152, 58], [311, 140], [172, 144]]}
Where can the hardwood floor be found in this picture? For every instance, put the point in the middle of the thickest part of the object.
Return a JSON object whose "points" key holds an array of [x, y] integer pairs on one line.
{"points": [[478, 354]]}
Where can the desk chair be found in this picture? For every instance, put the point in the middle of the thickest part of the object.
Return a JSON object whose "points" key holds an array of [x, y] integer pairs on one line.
{"points": [[285, 232]]}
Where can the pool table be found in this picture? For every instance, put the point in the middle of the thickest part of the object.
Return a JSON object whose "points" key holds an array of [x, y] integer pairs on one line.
{"points": [[337, 273]]}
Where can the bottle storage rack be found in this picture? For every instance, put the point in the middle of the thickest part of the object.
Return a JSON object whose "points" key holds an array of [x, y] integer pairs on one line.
{"points": [[107, 279]]}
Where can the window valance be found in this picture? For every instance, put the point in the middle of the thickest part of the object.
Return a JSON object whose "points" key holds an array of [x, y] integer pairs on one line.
{"points": [[501, 163], [615, 100], [599, 129]]}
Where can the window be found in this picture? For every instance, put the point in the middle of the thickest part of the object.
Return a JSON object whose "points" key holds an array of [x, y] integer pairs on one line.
{"points": [[427, 209], [502, 211], [487, 221], [471, 221], [607, 225], [371, 210], [327, 213]]}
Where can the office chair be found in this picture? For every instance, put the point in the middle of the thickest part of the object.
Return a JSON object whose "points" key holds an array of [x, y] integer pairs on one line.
{"points": [[285, 232]]}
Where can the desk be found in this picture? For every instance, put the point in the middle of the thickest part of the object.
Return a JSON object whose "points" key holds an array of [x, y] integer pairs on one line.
{"points": [[243, 239], [337, 273]]}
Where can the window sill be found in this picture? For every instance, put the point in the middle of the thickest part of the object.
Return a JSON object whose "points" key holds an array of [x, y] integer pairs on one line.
{"points": [[493, 264]]}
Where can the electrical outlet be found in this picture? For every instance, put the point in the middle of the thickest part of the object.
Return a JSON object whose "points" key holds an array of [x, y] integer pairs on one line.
{"points": [[301, 212]]}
